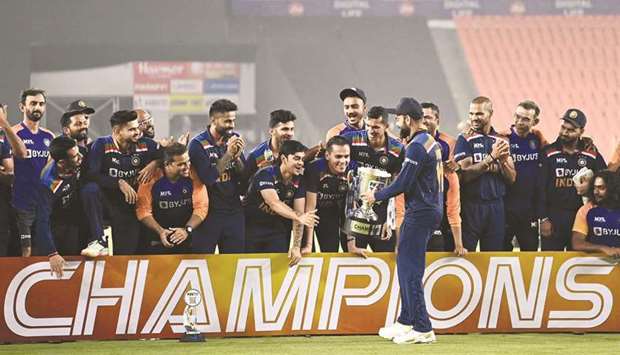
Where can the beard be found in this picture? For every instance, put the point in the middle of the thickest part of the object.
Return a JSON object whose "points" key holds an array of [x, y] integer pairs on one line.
{"points": [[80, 135], [567, 140], [405, 132], [149, 133], [34, 116], [225, 132]]}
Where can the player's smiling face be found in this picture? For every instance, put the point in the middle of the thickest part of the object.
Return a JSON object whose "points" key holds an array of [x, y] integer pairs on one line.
{"points": [[283, 131], [78, 127], [376, 128], [430, 119], [354, 110], [524, 119], [479, 116], [34, 107], [338, 158], [129, 132], [179, 166], [224, 123], [599, 190], [294, 163]]}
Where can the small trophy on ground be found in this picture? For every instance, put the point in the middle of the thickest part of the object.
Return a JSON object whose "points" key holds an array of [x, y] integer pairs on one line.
{"points": [[192, 334]]}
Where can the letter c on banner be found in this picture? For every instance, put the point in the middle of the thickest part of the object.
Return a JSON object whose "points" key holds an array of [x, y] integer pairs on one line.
{"points": [[17, 318], [472, 291]]}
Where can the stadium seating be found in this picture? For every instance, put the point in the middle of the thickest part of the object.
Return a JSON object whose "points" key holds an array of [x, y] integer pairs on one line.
{"points": [[557, 61]]}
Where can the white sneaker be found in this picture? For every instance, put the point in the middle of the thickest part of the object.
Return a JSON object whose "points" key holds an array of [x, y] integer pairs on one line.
{"points": [[94, 249], [413, 337], [394, 330]]}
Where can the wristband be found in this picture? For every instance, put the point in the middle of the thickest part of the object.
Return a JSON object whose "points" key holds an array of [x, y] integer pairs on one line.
{"points": [[52, 254]]}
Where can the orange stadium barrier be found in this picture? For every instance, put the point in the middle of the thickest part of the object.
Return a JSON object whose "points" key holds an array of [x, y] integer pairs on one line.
{"points": [[258, 294]]}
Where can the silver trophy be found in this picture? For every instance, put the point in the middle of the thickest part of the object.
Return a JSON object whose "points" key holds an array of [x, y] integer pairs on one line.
{"points": [[361, 220], [192, 299]]}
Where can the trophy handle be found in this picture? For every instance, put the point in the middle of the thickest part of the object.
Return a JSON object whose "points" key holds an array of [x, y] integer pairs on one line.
{"points": [[350, 203]]}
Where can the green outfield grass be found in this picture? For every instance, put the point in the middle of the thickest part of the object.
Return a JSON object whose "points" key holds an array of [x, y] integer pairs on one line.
{"points": [[504, 344]]}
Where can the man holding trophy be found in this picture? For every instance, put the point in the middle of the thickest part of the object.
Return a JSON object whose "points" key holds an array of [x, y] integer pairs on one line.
{"points": [[379, 158], [421, 180]]}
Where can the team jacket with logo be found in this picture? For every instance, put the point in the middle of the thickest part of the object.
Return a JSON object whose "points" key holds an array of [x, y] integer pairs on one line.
{"points": [[390, 158], [488, 186], [107, 164], [557, 169], [223, 189], [421, 178], [600, 225], [256, 209], [526, 154], [331, 190], [28, 170], [172, 204], [56, 197]]}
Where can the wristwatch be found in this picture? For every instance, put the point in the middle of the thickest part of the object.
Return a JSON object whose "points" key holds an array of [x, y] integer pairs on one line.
{"points": [[189, 229]]}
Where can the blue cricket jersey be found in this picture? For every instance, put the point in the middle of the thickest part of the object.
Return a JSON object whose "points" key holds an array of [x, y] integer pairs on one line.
{"points": [[28, 170], [224, 189], [488, 186], [420, 179], [56, 197]]}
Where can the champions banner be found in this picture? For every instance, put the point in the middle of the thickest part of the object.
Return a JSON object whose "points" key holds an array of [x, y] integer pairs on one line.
{"points": [[258, 294]]}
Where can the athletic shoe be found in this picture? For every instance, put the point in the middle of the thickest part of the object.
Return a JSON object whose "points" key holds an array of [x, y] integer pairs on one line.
{"points": [[95, 249], [413, 337], [394, 330]]}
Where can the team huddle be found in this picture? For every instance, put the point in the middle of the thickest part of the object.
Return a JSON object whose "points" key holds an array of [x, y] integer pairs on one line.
{"points": [[488, 189], [498, 188]]}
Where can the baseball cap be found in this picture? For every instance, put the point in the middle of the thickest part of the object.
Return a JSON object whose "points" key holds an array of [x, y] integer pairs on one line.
{"points": [[353, 92], [408, 106], [575, 117], [78, 106]]}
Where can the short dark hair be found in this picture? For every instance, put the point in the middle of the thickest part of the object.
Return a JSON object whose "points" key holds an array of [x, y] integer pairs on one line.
{"points": [[379, 112], [612, 183], [60, 146], [530, 105], [173, 150], [483, 100], [336, 140], [221, 106], [290, 147], [65, 119], [122, 117], [32, 92], [431, 106], [280, 116]]}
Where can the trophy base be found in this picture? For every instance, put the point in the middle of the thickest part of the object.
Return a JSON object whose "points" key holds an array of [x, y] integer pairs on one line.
{"points": [[362, 228], [192, 338]]}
